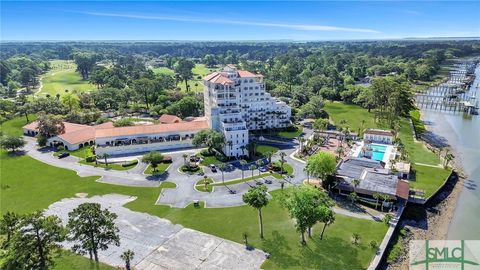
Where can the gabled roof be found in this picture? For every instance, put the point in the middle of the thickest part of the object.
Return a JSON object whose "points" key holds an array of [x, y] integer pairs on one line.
{"points": [[169, 119], [218, 77], [74, 133]]}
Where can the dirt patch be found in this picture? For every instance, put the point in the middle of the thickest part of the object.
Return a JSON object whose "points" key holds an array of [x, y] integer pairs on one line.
{"points": [[81, 195]]}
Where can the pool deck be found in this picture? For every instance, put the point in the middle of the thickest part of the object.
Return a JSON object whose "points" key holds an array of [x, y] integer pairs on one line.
{"points": [[389, 154]]}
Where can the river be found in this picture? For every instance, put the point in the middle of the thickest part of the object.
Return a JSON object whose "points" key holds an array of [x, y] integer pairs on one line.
{"points": [[463, 135]]}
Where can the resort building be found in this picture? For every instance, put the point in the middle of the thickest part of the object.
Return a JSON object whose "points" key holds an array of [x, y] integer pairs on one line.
{"points": [[236, 102], [373, 178], [379, 136], [125, 140]]}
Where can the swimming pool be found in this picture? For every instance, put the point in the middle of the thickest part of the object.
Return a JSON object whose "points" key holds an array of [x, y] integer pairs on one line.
{"points": [[378, 151]]}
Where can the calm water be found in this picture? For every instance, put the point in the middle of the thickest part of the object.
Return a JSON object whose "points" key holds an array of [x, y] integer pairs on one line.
{"points": [[463, 135]]}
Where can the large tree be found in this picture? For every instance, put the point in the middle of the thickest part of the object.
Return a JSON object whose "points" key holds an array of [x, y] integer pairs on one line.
{"points": [[8, 225], [92, 229], [321, 165], [36, 240], [257, 198], [50, 125], [183, 68], [85, 63], [210, 138], [153, 158], [144, 88], [304, 204], [12, 143]]}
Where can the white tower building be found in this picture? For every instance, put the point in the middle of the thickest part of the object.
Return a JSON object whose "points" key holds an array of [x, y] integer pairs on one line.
{"points": [[236, 102]]}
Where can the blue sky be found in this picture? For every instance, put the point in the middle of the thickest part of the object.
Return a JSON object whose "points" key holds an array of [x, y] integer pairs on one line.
{"points": [[229, 20]]}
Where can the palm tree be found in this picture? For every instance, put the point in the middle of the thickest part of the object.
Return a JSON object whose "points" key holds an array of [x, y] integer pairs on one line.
{"points": [[257, 198], [252, 168], [205, 182], [269, 155], [355, 183], [353, 197], [259, 163], [376, 196], [384, 198], [327, 217], [355, 238], [222, 167], [282, 161], [447, 158], [127, 256], [105, 156], [243, 162], [340, 151]]}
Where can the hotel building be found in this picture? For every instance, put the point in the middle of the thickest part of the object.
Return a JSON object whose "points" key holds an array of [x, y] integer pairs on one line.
{"points": [[236, 102]]}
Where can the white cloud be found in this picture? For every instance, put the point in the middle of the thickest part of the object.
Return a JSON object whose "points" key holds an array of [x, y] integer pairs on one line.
{"points": [[303, 27]]}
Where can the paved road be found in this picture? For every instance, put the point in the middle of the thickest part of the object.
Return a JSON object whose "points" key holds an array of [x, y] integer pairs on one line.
{"points": [[185, 193]]}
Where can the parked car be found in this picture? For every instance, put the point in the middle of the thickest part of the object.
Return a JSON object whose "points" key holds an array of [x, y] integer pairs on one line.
{"points": [[63, 155], [213, 168], [262, 169]]}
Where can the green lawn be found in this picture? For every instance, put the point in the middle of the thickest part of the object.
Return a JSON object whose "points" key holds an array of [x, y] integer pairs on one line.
{"points": [[163, 70], [63, 77], [417, 122], [110, 166], [24, 189], [417, 152], [200, 185], [291, 134], [71, 261], [14, 126], [353, 115], [263, 149], [429, 179], [161, 168]]}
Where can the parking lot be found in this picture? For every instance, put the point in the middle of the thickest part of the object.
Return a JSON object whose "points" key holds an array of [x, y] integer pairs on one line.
{"points": [[159, 244]]}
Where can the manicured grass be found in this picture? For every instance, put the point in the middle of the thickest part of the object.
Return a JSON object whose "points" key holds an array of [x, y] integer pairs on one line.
{"points": [[63, 77], [13, 127], [263, 149], [190, 170], [291, 134], [210, 160], [200, 185], [417, 122], [163, 70], [24, 189], [71, 261], [417, 152], [161, 168], [167, 184], [287, 170], [352, 114], [111, 166], [80, 153], [428, 179], [240, 180]]}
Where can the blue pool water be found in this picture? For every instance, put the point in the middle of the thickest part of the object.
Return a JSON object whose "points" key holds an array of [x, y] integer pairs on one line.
{"points": [[378, 151]]}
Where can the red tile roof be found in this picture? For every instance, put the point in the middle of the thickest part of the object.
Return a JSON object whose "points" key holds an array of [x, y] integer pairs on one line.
{"points": [[169, 119], [403, 189], [247, 74], [218, 77], [74, 133], [104, 125], [194, 125]]}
